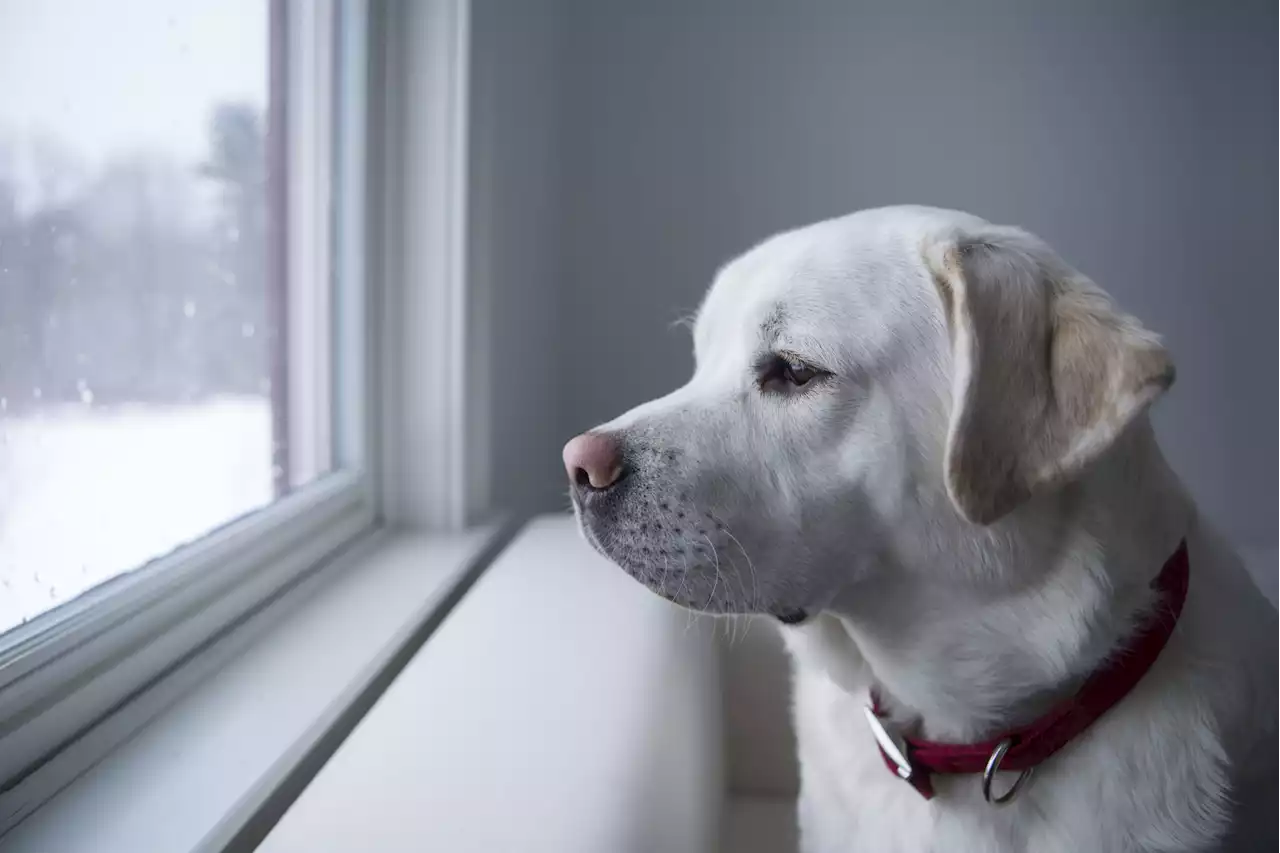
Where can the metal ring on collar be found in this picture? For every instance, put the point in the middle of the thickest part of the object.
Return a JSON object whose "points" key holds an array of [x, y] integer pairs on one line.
{"points": [[993, 766]]}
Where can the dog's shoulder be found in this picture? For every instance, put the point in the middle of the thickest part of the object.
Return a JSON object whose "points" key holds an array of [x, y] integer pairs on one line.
{"points": [[1190, 753], [1231, 660]]}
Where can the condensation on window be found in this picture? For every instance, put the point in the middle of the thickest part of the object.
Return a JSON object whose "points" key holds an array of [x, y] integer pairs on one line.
{"points": [[136, 326]]}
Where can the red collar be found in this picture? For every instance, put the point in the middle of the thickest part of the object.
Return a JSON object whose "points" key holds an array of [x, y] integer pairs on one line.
{"points": [[1035, 742]]}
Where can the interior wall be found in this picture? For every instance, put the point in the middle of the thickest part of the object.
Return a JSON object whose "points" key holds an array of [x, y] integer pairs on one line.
{"points": [[514, 261], [1138, 138]]}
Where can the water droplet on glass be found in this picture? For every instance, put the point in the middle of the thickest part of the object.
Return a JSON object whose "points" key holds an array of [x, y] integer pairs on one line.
{"points": [[233, 234], [246, 330], [36, 577], [53, 592], [189, 309], [86, 396], [276, 472], [6, 583], [4, 403], [84, 569], [37, 393]]}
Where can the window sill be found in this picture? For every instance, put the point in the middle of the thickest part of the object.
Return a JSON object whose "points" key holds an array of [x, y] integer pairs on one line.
{"points": [[232, 739], [561, 708], [522, 732]]}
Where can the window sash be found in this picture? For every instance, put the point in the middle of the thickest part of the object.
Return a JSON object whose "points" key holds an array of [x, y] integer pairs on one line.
{"points": [[63, 672]]}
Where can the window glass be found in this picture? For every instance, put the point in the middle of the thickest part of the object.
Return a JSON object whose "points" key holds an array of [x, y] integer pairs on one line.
{"points": [[148, 323]]}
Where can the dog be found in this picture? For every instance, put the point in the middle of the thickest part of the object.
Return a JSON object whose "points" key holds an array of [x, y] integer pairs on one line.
{"points": [[920, 443]]}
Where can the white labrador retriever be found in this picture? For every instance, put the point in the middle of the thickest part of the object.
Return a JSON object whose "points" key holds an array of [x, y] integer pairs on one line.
{"points": [[920, 442]]}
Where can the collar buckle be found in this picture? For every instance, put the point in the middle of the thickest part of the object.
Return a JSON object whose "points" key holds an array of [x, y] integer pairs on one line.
{"points": [[892, 744]]}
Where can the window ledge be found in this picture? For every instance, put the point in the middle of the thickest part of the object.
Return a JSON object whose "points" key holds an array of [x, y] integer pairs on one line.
{"points": [[563, 708], [232, 738], [218, 768]]}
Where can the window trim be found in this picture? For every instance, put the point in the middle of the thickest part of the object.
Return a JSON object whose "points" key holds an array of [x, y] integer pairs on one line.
{"points": [[310, 131], [186, 573], [90, 659], [434, 453], [71, 697]]}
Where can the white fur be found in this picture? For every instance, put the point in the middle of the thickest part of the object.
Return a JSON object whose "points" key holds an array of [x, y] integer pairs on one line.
{"points": [[835, 501]]}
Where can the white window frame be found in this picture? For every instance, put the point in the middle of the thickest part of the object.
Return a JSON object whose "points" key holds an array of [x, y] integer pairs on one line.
{"points": [[66, 675], [434, 356]]}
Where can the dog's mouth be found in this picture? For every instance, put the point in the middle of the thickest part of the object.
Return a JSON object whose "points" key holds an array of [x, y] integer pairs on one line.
{"points": [[681, 569], [692, 587], [792, 617], [681, 552]]}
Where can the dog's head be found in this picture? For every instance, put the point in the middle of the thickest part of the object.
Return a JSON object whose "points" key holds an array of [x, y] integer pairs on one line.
{"points": [[862, 386]]}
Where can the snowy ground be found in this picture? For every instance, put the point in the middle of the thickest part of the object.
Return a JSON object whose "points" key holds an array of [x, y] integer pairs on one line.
{"points": [[86, 494]]}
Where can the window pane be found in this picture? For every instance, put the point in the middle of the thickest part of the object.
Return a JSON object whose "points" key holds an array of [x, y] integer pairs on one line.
{"points": [[161, 372]]}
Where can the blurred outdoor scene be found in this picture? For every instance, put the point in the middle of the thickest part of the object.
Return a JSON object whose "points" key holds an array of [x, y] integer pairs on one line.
{"points": [[136, 322]]}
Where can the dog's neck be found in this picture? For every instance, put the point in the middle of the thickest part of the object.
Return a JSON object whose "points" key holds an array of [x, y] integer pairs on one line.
{"points": [[967, 631]]}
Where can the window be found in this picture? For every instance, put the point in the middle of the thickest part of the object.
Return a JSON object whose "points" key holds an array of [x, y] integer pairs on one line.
{"points": [[182, 334], [156, 380]]}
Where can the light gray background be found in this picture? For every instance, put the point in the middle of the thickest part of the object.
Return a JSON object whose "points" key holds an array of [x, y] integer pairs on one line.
{"points": [[634, 146], [626, 148]]}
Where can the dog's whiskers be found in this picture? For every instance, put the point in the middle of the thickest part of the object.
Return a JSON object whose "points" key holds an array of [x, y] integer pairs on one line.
{"points": [[755, 578], [715, 555], [691, 614], [742, 604], [666, 572]]}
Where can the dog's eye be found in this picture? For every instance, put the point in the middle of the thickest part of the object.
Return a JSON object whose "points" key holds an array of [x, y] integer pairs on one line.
{"points": [[798, 373], [786, 373]]}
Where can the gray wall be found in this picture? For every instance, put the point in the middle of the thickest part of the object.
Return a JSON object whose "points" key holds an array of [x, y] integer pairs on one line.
{"points": [[623, 149], [515, 233], [1139, 138]]}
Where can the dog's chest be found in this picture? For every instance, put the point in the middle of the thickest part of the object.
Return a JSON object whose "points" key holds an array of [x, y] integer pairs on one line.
{"points": [[850, 802]]}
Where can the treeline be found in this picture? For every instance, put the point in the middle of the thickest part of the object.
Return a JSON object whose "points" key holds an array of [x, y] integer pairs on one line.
{"points": [[145, 284]]}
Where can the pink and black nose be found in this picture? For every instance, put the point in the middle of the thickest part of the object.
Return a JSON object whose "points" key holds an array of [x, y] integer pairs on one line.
{"points": [[594, 461]]}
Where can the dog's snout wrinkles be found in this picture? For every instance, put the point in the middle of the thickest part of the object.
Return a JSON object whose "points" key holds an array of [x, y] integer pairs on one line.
{"points": [[593, 460]]}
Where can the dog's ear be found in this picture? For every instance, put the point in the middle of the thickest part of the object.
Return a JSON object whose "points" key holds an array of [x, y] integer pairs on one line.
{"points": [[1047, 373]]}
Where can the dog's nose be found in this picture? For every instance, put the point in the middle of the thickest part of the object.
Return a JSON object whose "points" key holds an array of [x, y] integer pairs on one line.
{"points": [[593, 459]]}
